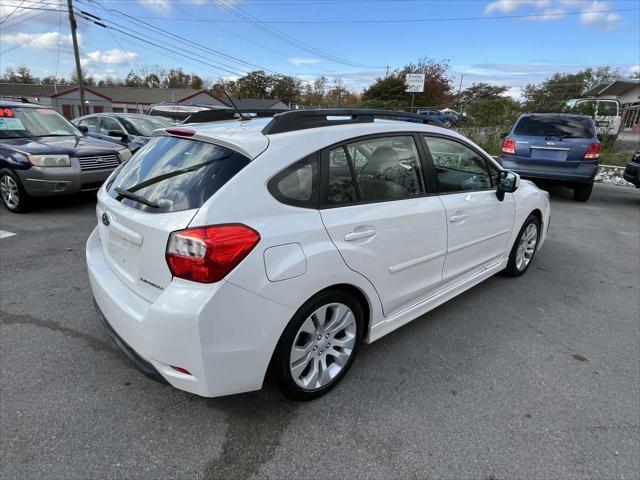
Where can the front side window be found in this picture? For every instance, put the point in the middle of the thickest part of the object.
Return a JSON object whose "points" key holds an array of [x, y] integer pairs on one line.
{"points": [[89, 122], [377, 169], [143, 126], [109, 124], [458, 167]]}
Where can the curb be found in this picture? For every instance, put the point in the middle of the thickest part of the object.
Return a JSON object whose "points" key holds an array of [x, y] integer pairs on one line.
{"points": [[612, 175]]}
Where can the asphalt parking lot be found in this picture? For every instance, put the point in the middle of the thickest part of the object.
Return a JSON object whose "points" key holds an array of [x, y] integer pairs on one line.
{"points": [[536, 377]]}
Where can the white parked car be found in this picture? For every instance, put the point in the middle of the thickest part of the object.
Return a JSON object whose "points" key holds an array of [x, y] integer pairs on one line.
{"points": [[226, 248]]}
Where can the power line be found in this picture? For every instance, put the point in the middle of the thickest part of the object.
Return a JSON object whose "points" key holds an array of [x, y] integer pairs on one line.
{"points": [[109, 25], [257, 23], [185, 40], [14, 11], [403, 20], [23, 17]]}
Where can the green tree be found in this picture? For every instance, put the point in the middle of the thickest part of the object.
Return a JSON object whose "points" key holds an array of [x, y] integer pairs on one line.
{"points": [[552, 94], [133, 80], [196, 82], [22, 74], [482, 91], [287, 89], [438, 89], [386, 92], [256, 84]]}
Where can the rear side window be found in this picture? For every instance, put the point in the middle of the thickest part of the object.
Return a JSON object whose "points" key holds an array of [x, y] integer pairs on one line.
{"points": [[171, 174], [297, 184], [555, 126]]}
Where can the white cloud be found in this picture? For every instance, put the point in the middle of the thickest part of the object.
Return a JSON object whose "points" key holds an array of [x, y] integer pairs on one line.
{"points": [[595, 13], [635, 69], [114, 56], [39, 41], [598, 16], [550, 14], [160, 6], [508, 6], [303, 61]]}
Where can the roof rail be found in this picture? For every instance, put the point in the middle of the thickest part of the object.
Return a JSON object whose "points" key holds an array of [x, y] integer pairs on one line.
{"points": [[230, 114], [302, 119]]}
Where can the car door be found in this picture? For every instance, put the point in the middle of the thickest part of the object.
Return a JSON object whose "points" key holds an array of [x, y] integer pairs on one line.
{"points": [[478, 224], [381, 217]]}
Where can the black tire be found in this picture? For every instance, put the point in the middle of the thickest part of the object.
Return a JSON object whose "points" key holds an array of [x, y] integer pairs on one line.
{"points": [[23, 200], [281, 359], [581, 193], [512, 269]]}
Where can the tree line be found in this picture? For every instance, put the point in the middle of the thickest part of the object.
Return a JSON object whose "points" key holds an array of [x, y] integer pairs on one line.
{"points": [[488, 104]]}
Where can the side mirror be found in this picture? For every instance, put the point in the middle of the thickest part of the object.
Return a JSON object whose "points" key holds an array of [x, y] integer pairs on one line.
{"points": [[83, 128], [504, 135], [508, 182], [118, 133]]}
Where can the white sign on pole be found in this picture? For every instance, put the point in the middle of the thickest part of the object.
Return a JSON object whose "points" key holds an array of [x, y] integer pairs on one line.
{"points": [[414, 82]]}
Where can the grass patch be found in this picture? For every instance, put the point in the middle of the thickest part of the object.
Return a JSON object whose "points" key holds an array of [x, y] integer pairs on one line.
{"points": [[619, 159]]}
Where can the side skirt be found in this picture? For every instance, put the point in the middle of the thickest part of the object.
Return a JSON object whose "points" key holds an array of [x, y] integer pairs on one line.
{"points": [[438, 298]]}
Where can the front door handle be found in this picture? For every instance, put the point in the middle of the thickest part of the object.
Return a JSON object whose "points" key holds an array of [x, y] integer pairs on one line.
{"points": [[458, 217], [359, 235]]}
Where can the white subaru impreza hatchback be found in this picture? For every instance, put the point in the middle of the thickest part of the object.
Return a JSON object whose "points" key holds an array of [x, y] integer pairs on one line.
{"points": [[227, 248]]}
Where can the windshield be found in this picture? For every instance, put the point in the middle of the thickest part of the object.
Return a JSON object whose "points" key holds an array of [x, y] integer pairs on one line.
{"points": [[555, 126], [170, 174], [19, 122], [142, 126]]}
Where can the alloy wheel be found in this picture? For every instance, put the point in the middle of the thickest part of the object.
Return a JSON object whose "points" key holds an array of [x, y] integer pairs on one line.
{"points": [[527, 246], [323, 346], [9, 191]]}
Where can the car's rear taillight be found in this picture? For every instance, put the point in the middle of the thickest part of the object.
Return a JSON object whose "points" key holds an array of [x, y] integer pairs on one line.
{"points": [[208, 254], [509, 146], [593, 152]]}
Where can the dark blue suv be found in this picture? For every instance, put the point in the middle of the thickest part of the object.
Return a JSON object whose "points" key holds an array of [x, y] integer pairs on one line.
{"points": [[554, 148]]}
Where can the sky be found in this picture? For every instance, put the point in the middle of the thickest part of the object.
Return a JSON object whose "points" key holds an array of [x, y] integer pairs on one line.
{"points": [[502, 42]]}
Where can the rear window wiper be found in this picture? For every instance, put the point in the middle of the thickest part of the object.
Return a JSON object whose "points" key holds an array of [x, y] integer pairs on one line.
{"points": [[127, 194], [165, 176]]}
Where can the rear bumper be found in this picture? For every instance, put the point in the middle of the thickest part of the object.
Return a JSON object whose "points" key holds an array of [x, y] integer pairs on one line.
{"points": [[41, 182], [222, 334], [585, 172], [145, 367]]}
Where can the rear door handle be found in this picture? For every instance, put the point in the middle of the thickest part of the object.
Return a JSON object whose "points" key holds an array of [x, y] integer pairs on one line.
{"points": [[458, 217], [358, 235]]}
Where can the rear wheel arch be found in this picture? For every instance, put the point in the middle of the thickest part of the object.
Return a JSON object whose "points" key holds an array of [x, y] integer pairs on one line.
{"points": [[538, 214]]}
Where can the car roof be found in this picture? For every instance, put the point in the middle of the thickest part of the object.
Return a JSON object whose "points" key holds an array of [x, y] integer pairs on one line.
{"points": [[551, 114], [247, 137], [5, 104]]}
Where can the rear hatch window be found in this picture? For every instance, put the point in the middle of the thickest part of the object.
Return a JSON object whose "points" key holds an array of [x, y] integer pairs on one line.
{"points": [[551, 126], [171, 174]]}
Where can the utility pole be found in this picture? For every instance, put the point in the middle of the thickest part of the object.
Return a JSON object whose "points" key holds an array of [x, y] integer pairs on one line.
{"points": [[387, 74], [76, 52]]}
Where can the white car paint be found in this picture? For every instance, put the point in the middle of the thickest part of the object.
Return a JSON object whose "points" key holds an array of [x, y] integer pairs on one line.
{"points": [[405, 258]]}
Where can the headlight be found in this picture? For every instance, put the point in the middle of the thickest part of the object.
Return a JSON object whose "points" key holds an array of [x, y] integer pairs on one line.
{"points": [[125, 154], [50, 160]]}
